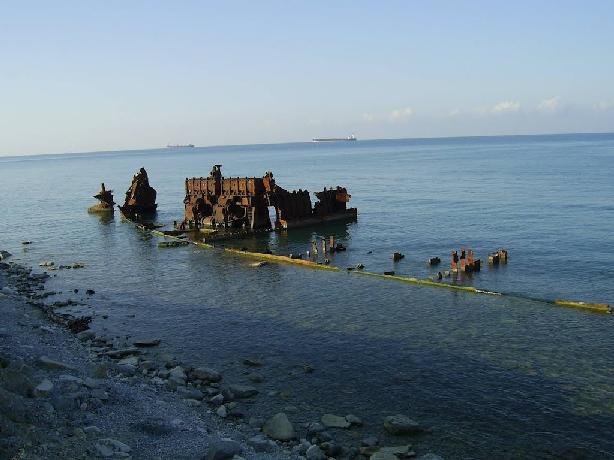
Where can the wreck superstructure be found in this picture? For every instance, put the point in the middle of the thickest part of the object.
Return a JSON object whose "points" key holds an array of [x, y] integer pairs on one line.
{"points": [[244, 203]]}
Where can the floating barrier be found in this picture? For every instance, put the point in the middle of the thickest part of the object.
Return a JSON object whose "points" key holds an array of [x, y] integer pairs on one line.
{"points": [[596, 307], [591, 307]]}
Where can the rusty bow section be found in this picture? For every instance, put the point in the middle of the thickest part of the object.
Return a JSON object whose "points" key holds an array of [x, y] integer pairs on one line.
{"points": [[246, 203], [140, 197]]}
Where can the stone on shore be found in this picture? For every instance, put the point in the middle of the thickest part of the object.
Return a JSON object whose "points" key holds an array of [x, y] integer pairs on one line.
{"points": [[315, 453], [398, 451], [122, 352], [129, 361], [279, 427], [353, 420], [242, 391], [222, 450], [261, 444], [5, 255], [401, 425], [177, 375], [108, 447], [334, 421], [189, 393], [43, 388], [221, 411], [146, 343], [51, 364], [206, 374]]}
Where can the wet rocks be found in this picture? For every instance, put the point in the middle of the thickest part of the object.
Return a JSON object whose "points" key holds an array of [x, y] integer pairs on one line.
{"points": [[5, 255], [315, 453], [108, 447], [279, 427], [222, 450], [189, 393], [177, 375], [47, 363], [43, 388], [206, 374], [261, 444], [402, 425], [242, 391], [334, 421], [122, 352], [146, 343]]}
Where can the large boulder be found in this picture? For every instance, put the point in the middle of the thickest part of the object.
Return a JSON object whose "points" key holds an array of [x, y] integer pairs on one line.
{"points": [[279, 427]]}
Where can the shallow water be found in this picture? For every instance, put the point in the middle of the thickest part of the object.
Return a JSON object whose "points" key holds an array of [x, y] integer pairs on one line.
{"points": [[493, 376]]}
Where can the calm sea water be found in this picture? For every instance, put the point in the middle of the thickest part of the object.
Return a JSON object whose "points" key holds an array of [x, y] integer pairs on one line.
{"points": [[495, 377]]}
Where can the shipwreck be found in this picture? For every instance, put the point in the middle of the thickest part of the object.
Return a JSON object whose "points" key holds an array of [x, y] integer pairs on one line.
{"points": [[248, 203]]}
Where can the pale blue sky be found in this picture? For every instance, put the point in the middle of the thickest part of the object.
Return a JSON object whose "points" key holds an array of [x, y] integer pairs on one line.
{"points": [[90, 75]]}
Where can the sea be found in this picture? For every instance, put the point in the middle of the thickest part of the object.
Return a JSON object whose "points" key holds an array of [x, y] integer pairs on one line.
{"points": [[490, 376]]}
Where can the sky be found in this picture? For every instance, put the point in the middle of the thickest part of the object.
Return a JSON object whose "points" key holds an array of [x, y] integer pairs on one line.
{"points": [[83, 75]]}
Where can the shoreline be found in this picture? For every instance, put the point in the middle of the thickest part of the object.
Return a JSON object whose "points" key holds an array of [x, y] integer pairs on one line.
{"points": [[82, 395]]}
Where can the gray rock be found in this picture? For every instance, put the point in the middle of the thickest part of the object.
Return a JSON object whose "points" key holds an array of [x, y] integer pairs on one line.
{"points": [[430, 456], [206, 374], [91, 430], [401, 425], [146, 343], [221, 411], [370, 441], [43, 388], [261, 444], [122, 352], [353, 420], [108, 447], [177, 375], [5, 255], [47, 363], [383, 455], [129, 361], [147, 365], [217, 400], [242, 391], [279, 427], [125, 369], [315, 453], [189, 393], [222, 450], [86, 335], [334, 421], [314, 427]]}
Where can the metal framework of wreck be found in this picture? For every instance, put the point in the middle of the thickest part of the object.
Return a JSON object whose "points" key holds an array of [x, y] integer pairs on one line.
{"points": [[244, 202]]}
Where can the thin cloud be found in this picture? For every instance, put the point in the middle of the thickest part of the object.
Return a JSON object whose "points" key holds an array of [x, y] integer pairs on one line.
{"points": [[368, 117], [506, 107], [549, 105], [401, 114], [603, 106]]}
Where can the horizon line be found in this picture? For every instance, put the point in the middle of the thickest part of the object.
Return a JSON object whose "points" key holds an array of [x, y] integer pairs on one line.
{"points": [[212, 146]]}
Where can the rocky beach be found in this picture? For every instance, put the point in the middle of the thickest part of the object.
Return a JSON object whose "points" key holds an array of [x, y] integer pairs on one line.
{"points": [[66, 392]]}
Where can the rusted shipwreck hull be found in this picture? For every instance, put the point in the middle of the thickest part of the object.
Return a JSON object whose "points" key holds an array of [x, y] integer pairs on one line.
{"points": [[244, 203]]}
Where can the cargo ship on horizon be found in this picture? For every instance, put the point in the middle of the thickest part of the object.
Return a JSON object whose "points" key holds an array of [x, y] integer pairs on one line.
{"points": [[334, 139]]}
